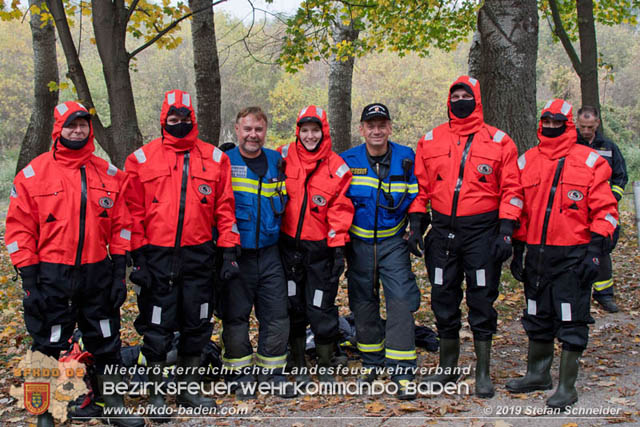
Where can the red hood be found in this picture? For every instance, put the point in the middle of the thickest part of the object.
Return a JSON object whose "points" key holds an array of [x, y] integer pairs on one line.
{"points": [[560, 146], [62, 154], [473, 122], [178, 99], [324, 150]]}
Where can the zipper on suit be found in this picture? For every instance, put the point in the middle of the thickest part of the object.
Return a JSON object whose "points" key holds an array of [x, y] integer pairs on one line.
{"points": [[456, 192], [376, 288], [547, 214], [83, 214], [303, 208], [183, 201], [258, 219]]}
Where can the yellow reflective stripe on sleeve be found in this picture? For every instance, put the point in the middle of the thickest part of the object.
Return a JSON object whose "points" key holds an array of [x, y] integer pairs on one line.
{"points": [[400, 354], [271, 362], [368, 234], [602, 285], [269, 189], [370, 348], [617, 189]]}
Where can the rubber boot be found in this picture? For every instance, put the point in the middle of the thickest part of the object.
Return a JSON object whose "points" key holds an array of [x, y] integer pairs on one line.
{"points": [[484, 386], [185, 398], [121, 418], [566, 393], [156, 400], [298, 347], [325, 353], [449, 353], [46, 420], [538, 375]]}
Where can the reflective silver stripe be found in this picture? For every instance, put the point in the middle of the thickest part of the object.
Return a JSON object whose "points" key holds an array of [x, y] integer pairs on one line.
{"points": [[566, 107], [317, 298], [234, 228], [332, 233], [285, 151], [611, 219], [591, 160], [342, 170], [186, 99], [566, 311], [291, 288], [428, 136], [605, 153], [237, 363], [28, 171], [319, 112], [156, 317], [438, 279], [472, 81], [140, 157], [171, 98], [532, 307], [12, 247], [516, 202], [498, 136], [277, 361], [56, 331], [522, 162], [112, 170], [548, 104], [480, 279], [105, 327], [204, 310], [62, 108], [217, 154], [304, 110], [125, 234]]}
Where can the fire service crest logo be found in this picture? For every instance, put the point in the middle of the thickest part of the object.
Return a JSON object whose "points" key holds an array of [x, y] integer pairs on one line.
{"points": [[36, 397]]}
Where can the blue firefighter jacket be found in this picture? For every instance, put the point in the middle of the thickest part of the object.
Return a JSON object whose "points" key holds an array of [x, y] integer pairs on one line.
{"points": [[260, 202], [370, 195]]}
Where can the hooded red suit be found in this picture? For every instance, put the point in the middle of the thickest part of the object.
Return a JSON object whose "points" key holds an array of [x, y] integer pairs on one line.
{"points": [[180, 190], [317, 217], [66, 215]]}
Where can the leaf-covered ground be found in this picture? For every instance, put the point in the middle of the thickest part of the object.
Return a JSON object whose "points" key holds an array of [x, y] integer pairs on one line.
{"points": [[609, 378]]}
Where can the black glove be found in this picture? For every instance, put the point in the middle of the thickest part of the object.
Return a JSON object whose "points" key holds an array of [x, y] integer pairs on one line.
{"points": [[33, 299], [230, 267], [118, 293], [418, 223], [338, 264], [589, 268], [517, 263], [140, 274], [502, 247]]}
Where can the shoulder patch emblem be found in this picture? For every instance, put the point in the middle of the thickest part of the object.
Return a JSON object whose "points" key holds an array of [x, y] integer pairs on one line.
{"points": [[359, 171], [319, 200], [575, 195]]}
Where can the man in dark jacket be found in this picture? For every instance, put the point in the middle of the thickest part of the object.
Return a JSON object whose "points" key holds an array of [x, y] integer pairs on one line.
{"points": [[590, 135]]}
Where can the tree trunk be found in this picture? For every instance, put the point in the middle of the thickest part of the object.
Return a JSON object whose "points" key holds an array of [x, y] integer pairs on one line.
{"points": [[109, 25], [588, 54], [207, 71], [340, 80], [45, 69], [503, 58]]}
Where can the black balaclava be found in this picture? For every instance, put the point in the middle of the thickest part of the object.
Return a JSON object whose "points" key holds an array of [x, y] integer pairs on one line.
{"points": [[75, 145], [554, 132], [179, 130], [463, 107]]}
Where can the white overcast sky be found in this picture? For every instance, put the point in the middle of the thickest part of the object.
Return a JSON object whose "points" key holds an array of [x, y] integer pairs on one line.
{"points": [[241, 8]]}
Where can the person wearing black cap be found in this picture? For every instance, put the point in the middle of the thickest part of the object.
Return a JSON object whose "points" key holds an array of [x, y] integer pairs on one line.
{"points": [[567, 222], [382, 188], [468, 175], [68, 231]]}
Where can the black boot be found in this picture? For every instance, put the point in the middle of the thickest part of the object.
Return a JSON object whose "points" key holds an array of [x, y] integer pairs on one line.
{"points": [[121, 418], [449, 353], [538, 366], [607, 303], [566, 394], [298, 347], [325, 353], [45, 420], [484, 386], [188, 376], [156, 400]]}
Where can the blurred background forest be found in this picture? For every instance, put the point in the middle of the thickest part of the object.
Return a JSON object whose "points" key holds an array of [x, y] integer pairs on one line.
{"points": [[413, 87]]}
